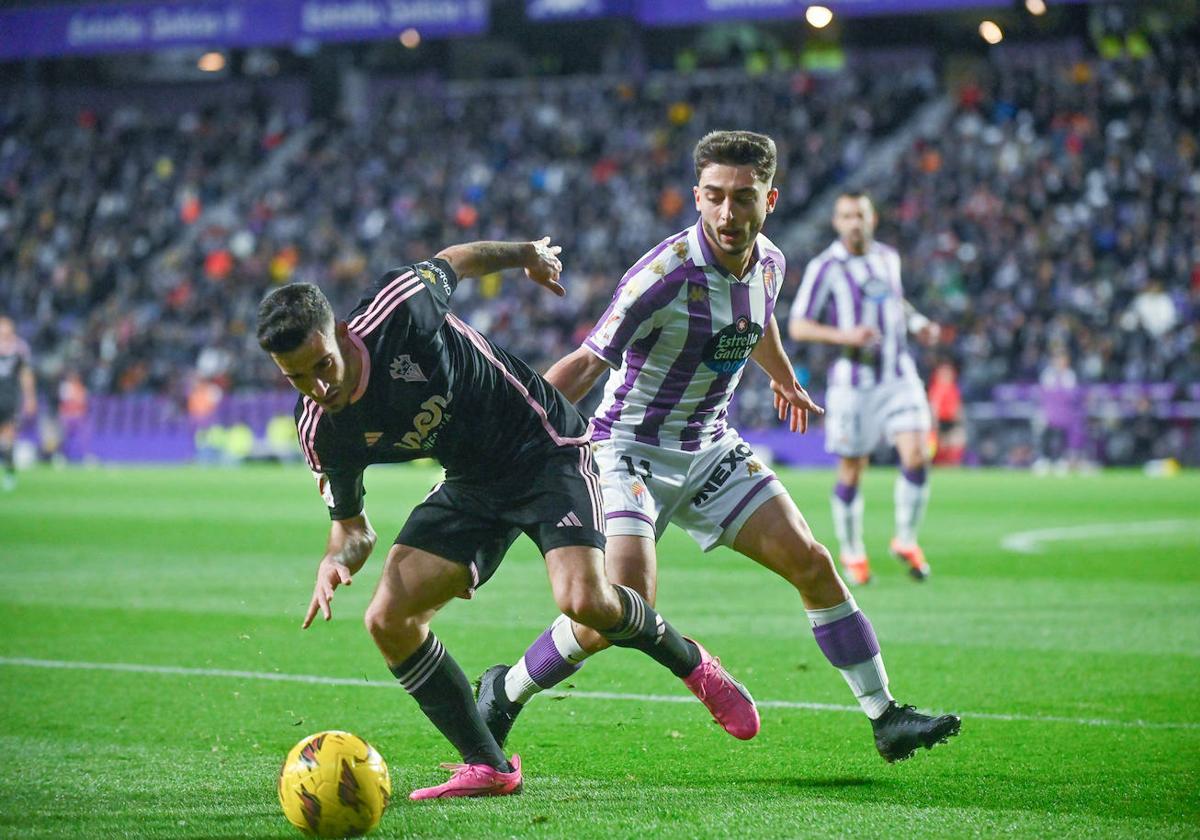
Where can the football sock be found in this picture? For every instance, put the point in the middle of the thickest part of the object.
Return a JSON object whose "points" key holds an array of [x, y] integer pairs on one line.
{"points": [[441, 689], [6, 458], [848, 641], [553, 657], [912, 495], [848, 518], [642, 628]]}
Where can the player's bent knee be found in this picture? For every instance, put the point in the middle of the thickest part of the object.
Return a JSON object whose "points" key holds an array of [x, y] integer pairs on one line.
{"points": [[591, 608], [811, 564]]}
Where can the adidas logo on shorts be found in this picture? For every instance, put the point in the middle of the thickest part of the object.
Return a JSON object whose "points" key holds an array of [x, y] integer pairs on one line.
{"points": [[570, 521]]}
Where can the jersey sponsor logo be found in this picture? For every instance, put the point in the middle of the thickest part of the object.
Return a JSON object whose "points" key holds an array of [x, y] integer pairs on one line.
{"points": [[876, 289], [434, 276], [726, 467], [729, 349], [426, 424], [372, 438], [325, 489], [403, 367]]}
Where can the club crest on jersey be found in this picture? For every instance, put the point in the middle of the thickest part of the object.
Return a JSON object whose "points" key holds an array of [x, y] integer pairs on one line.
{"points": [[403, 367], [769, 280]]}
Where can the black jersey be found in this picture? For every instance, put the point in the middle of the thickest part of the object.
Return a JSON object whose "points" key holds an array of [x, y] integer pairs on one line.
{"points": [[14, 358], [434, 388]]}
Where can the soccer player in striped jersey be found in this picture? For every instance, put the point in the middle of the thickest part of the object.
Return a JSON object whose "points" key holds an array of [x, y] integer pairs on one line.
{"points": [[682, 324], [402, 378], [18, 396], [851, 296]]}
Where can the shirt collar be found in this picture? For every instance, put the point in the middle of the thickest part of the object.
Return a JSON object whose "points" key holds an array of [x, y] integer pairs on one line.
{"points": [[364, 375]]}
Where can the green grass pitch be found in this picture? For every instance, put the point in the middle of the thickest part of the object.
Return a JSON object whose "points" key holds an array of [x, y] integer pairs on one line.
{"points": [[1075, 665]]}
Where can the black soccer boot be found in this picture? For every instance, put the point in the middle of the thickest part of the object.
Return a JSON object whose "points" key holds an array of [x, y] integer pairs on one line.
{"points": [[901, 729], [498, 712]]}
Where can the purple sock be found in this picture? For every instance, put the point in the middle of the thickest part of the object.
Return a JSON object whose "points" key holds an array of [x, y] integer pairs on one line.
{"points": [[547, 667], [847, 641], [916, 476], [845, 492]]}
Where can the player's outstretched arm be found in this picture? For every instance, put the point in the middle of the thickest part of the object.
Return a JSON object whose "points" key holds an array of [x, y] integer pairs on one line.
{"points": [[804, 329], [926, 331], [539, 259], [350, 544], [575, 373], [790, 398]]}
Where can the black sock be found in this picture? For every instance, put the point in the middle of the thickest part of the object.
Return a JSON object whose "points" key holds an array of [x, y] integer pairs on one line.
{"points": [[441, 689], [644, 629]]}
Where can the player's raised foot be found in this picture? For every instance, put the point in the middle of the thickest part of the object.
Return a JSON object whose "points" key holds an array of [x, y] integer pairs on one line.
{"points": [[857, 568], [911, 555], [498, 712], [474, 780], [728, 700], [901, 730]]}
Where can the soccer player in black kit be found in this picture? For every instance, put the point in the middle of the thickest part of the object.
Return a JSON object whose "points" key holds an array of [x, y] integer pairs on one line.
{"points": [[17, 396], [403, 378]]}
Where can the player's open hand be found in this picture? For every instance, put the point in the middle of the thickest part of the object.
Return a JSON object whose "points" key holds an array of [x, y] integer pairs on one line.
{"points": [[330, 575], [792, 403], [544, 266]]}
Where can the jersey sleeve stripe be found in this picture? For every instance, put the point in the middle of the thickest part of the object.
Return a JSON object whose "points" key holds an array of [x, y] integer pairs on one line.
{"points": [[385, 301], [482, 346]]}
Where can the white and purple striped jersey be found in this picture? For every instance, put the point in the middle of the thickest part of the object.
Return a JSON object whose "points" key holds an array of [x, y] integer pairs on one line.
{"points": [[678, 332], [846, 291]]}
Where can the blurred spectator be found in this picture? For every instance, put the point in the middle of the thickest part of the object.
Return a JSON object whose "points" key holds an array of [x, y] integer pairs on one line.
{"points": [[945, 401]]}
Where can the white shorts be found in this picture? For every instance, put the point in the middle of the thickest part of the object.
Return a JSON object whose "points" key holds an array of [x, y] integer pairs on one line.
{"points": [[856, 419], [710, 493]]}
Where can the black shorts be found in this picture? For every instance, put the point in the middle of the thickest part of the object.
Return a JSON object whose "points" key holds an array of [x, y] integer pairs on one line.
{"points": [[556, 505], [8, 412]]}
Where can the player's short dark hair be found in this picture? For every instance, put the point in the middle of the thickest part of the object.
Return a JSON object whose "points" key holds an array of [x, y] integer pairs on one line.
{"points": [[290, 314], [737, 148], [855, 195]]}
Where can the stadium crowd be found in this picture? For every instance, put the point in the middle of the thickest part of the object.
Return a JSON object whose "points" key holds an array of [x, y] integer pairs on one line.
{"points": [[1050, 215]]}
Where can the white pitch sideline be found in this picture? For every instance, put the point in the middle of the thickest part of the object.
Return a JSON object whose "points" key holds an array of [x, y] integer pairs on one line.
{"points": [[312, 679]]}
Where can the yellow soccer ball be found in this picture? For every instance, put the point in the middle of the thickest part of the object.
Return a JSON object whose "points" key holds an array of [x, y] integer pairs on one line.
{"points": [[334, 784]]}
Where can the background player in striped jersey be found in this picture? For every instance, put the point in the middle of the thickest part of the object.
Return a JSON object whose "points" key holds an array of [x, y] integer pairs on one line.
{"points": [[851, 296], [403, 378], [681, 326], [18, 396]]}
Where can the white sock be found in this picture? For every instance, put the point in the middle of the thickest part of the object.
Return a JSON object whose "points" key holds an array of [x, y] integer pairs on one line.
{"points": [[911, 500], [868, 680], [848, 524]]}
